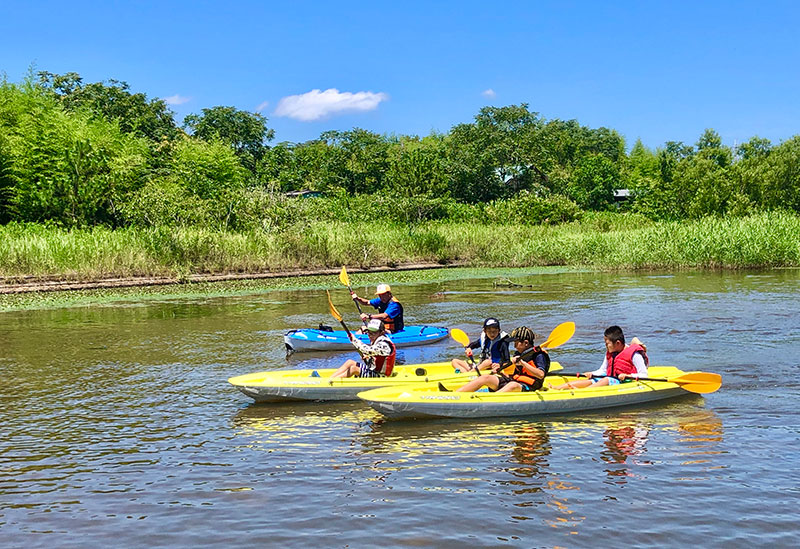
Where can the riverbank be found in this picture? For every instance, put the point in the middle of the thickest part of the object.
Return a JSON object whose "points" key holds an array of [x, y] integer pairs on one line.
{"points": [[41, 258]]}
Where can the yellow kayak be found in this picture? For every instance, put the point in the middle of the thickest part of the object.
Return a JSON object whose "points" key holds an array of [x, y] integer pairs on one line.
{"points": [[286, 385], [429, 400]]}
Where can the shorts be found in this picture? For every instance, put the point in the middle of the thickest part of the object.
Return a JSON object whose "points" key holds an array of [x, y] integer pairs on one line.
{"points": [[503, 381], [611, 380], [366, 371]]}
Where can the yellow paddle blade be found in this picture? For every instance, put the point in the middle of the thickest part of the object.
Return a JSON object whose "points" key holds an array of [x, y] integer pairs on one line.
{"points": [[334, 312], [560, 335], [343, 278], [459, 336], [698, 382]]}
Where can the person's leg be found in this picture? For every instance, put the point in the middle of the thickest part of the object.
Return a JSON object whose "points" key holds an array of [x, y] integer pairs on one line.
{"points": [[460, 365], [577, 384], [349, 368], [487, 380], [510, 386]]}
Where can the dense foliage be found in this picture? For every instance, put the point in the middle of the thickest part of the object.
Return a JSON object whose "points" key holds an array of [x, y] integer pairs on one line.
{"points": [[74, 154]]}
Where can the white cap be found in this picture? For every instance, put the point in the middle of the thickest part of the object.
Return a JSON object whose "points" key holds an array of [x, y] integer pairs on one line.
{"points": [[375, 325], [382, 289]]}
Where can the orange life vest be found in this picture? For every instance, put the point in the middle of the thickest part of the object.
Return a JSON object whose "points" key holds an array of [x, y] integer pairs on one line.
{"points": [[523, 377]]}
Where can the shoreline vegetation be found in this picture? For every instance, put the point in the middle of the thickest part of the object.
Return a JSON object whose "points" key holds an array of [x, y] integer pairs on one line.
{"points": [[31, 253], [100, 185]]}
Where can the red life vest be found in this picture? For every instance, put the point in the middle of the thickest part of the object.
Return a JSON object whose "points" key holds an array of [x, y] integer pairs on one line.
{"points": [[622, 362], [385, 364]]}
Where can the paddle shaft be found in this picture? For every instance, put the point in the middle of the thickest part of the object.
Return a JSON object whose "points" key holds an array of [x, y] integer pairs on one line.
{"points": [[675, 380], [358, 305], [695, 382], [344, 279], [335, 314]]}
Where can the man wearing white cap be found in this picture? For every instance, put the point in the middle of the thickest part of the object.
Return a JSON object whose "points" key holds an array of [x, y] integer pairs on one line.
{"points": [[379, 355], [390, 311]]}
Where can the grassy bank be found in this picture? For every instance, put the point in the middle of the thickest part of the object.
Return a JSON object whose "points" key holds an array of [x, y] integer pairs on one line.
{"points": [[600, 241]]}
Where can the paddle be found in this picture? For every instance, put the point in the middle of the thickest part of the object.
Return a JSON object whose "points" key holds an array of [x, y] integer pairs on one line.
{"points": [[461, 337], [335, 314], [560, 335], [694, 382], [344, 279]]}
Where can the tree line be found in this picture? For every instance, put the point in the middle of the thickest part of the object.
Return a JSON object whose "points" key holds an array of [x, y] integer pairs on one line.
{"points": [[78, 154]]}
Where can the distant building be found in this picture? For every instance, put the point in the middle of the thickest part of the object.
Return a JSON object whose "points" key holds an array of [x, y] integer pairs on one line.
{"points": [[621, 195], [305, 193]]}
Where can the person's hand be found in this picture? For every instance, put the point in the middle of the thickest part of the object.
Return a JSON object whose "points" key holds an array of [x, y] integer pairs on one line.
{"points": [[353, 296], [364, 316], [587, 375], [468, 352], [495, 367], [622, 377]]}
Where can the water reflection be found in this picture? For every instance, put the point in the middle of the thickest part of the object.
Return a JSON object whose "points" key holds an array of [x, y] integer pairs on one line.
{"points": [[123, 411], [623, 443]]}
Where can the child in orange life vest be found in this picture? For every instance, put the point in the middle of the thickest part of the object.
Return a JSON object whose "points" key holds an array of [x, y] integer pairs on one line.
{"points": [[531, 364], [379, 355], [621, 362]]}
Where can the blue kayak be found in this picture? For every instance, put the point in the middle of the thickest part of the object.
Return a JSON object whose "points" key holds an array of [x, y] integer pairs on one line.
{"points": [[313, 339]]}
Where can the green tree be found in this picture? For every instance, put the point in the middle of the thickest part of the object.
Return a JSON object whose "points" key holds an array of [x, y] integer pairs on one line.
{"points": [[246, 132], [417, 167], [501, 153], [594, 181], [357, 160], [710, 146], [113, 100], [756, 147], [779, 176], [69, 167]]}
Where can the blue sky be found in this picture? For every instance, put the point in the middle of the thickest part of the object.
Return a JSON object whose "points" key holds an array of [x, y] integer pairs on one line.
{"points": [[655, 71]]}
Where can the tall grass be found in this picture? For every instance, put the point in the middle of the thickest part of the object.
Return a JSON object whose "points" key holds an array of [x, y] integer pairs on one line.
{"points": [[602, 241]]}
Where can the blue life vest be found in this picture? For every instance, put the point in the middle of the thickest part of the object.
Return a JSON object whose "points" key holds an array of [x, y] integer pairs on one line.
{"points": [[496, 349]]}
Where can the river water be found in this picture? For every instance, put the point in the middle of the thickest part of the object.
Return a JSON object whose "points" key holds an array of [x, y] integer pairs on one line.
{"points": [[119, 428]]}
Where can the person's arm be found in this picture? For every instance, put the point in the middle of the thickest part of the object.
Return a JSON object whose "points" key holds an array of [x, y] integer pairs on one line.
{"points": [[641, 366], [392, 310], [375, 303], [359, 299], [600, 372], [379, 348], [536, 369]]}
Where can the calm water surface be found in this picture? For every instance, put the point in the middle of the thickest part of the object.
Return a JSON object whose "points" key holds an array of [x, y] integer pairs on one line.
{"points": [[119, 426]]}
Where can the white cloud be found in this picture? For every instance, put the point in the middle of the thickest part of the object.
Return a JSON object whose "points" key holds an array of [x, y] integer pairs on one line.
{"points": [[318, 104], [176, 99], [490, 93], [262, 106]]}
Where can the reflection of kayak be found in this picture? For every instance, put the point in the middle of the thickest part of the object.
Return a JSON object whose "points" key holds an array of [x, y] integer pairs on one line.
{"points": [[336, 340], [281, 385], [427, 400]]}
